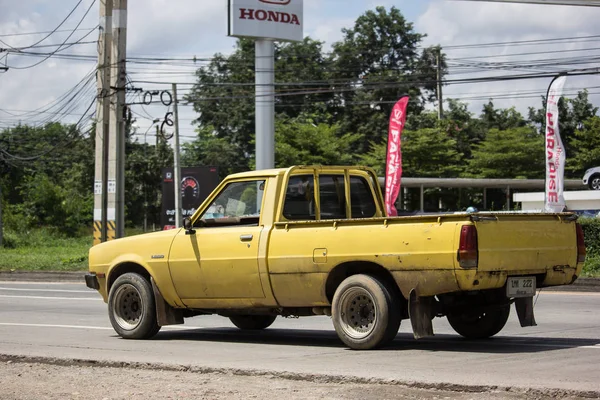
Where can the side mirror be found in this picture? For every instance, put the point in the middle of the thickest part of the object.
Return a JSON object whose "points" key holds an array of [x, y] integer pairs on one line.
{"points": [[189, 227]]}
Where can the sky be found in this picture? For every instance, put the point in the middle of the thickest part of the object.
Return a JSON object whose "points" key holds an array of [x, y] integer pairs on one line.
{"points": [[187, 28]]}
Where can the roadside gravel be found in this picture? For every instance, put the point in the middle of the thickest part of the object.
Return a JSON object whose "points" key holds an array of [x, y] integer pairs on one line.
{"points": [[24, 380]]}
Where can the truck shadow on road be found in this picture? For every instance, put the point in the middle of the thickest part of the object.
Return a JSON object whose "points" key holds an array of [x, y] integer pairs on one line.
{"points": [[403, 341]]}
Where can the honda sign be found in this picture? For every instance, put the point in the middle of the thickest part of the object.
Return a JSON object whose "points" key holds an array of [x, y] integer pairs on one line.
{"points": [[267, 19]]}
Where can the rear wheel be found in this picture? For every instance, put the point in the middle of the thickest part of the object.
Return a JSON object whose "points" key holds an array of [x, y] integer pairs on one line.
{"points": [[594, 182], [253, 322], [480, 323], [131, 307], [365, 313]]}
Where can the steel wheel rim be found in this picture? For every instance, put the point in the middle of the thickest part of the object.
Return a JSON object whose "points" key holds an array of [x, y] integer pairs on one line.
{"points": [[596, 183], [127, 307], [358, 313]]}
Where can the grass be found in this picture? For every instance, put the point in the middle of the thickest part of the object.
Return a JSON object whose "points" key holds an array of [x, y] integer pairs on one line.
{"points": [[45, 250]]}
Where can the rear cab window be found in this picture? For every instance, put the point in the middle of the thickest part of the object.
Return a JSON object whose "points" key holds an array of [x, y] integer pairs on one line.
{"points": [[301, 197]]}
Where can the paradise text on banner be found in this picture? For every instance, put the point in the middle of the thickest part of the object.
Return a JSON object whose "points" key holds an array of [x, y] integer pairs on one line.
{"points": [[393, 168], [555, 151]]}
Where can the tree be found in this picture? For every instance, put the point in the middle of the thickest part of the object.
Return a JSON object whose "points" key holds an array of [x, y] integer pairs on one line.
{"points": [[586, 143], [224, 93], [425, 153], [376, 62], [512, 153], [209, 149], [572, 115], [47, 176], [501, 119], [301, 141], [143, 180]]}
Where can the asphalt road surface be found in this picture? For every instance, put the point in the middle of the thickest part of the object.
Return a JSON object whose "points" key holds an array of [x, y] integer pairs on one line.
{"points": [[67, 321]]}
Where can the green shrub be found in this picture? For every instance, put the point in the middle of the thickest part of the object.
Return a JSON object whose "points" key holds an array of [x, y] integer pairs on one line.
{"points": [[591, 234], [592, 266]]}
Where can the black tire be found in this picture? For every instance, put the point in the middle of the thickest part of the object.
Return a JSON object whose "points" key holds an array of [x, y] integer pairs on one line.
{"points": [[131, 307], [253, 322], [365, 313], [480, 324], [594, 182]]}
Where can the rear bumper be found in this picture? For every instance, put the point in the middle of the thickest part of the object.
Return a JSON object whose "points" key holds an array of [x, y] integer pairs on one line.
{"points": [[91, 281], [469, 280]]}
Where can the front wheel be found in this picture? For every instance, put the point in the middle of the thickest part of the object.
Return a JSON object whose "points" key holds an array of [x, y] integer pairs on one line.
{"points": [[594, 182], [365, 312], [131, 307], [480, 324], [252, 322]]}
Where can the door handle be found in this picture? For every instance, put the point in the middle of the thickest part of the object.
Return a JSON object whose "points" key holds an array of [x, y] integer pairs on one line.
{"points": [[246, 238]]}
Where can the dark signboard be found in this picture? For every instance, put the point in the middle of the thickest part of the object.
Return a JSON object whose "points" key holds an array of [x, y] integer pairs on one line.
{"points": [[196, 184]]}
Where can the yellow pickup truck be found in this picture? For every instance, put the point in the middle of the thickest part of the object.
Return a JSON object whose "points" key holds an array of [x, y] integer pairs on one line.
{"points": [[314, 240]]}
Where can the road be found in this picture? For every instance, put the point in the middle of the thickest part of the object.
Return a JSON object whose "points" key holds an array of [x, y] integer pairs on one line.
{"points": [[69, 321]]}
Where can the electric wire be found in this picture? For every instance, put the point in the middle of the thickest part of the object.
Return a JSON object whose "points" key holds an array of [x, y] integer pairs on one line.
{"points": [[60, 48], [51, 32]]}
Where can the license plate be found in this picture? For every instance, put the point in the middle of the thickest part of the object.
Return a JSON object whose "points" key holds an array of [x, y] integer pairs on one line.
{"points": [[520, 287]]}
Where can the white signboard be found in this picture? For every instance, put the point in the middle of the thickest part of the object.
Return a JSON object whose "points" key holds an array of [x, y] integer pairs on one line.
{"points": [[267, 19]]}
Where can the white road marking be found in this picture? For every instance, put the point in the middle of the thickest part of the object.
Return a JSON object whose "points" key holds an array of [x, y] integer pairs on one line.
{"points": [[553, 293], [173, 327], [596, 346], [46, 290], [54, 326], [50, 298]]}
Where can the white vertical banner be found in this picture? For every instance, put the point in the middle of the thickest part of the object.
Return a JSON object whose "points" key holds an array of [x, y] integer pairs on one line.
{"points": [[555, 151]]}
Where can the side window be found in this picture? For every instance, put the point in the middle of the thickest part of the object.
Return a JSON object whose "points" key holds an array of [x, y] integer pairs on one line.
{"points": [[300, 198], [332, 196], [237, 204], [361, 198]]}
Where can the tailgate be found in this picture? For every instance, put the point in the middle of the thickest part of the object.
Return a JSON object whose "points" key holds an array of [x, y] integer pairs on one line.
{"points": [[523, 243]]}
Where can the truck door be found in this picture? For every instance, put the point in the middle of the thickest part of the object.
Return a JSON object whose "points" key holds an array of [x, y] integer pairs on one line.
{"points": [[220, 260]]}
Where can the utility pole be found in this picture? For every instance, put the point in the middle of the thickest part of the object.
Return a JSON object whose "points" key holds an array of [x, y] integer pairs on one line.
{"points": [[116, 159], [176, 166], [265, 104], [102, 125], [440, 98]]}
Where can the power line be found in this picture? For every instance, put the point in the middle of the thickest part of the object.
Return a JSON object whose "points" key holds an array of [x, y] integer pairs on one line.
{"points": [[43, 33], [60, 48], [53, 31]]}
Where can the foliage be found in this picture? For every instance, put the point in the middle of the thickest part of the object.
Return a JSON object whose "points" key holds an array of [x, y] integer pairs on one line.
{"points": [[591, 234], [512, 153], [574, 112], [378, 61], [586, 143], [224, 99], [44, 249], [300, 141], [425, 153], [143, 181], [209, 149], [501, 119]]}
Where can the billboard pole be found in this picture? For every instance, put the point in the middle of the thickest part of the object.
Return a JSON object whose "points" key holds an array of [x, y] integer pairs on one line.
{"points": [[265, 21], [265, 104]]}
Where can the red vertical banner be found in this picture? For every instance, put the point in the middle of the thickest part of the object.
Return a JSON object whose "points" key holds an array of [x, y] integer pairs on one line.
{"points": [[393, 166]]}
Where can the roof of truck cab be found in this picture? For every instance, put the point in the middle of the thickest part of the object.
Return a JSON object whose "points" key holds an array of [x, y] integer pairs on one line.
{"points": [[278, 171], [260, 172]]}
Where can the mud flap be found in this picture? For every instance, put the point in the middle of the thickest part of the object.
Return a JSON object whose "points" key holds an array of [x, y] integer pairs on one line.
{"points": [[420, 311], [165, 314], [524, 306]]}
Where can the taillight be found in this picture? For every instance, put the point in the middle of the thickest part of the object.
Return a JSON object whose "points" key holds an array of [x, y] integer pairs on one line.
{"points": [[467, 249], [580, 244]]}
